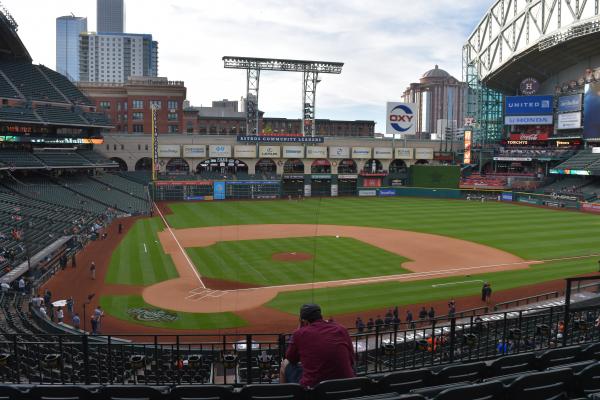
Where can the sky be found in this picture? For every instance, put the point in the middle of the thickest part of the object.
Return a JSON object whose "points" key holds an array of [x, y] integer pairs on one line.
{"points": [[384, 45]]}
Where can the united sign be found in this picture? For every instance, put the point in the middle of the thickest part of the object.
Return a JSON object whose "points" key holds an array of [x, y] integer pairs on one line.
{"points": [[401, 118]]}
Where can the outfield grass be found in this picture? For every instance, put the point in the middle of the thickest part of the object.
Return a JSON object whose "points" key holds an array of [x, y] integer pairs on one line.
{"points": [[333, 259], [349, 299], [139, 259], [118, 307], [531, 233]]}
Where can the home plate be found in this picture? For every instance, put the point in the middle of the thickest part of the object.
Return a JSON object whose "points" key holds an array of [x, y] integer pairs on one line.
{"points": [[200, 293]]}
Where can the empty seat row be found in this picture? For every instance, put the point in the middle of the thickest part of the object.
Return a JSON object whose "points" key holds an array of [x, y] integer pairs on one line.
{"points": [[552, 384]]}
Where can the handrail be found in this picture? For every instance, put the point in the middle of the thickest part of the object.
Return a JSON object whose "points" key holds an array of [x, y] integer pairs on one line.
{"points": [[516, 302]]}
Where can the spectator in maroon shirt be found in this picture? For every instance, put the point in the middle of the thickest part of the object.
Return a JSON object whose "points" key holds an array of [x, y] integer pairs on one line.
{"points": [[324, 348]]}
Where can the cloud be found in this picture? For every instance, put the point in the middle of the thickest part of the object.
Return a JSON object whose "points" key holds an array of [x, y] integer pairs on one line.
{"points": [[384, 44]]}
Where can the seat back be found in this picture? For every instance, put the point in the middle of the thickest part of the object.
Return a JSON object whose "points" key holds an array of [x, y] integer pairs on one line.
{"points": [[62, 392], [282, 391], [492, 390], [554, 357], [511, 364], [404, 381], [336, 389], [588, 380], [460, 373], [202, 392], [137, 392], [541, 385], [591, 352], [11, 393]]}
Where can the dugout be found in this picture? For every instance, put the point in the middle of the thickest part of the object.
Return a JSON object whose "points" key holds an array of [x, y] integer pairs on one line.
{"points": [[252, 189]]}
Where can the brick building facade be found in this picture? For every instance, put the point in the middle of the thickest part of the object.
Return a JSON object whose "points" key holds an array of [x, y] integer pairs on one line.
{"points": [[128, 105]]}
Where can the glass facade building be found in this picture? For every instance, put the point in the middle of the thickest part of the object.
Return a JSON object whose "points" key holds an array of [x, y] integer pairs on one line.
{"points": [[110, 16], [68, 29]]}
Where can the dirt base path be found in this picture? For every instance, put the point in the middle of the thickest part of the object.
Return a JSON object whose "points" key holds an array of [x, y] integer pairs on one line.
{"points": [[433, 256]]}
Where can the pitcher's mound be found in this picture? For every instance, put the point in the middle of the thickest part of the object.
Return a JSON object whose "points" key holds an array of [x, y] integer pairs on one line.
{"points": [[291, 257]]}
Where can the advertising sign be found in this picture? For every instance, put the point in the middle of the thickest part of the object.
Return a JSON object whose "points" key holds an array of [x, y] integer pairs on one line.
{"points": [[569, 103], [307, 190], [339, 152], [569, 120], [387, 192], [424, 154], [361, 152], [528, 105], [403, 153], [527, 137], [219, 191], [526, 159], [334, 190], [281, 139], [383, 153], [194, 151], [293, 151], [219, 150], [242, 151], [529, 86], [169, 150], [529, 120], [468, 141], [367, 193], [269, 151], [316, 152], [401, 118], [507, 196], [591, 111]]}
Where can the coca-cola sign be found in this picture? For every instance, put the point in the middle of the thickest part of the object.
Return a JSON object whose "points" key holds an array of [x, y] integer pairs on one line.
{"points": [[528, 136]]}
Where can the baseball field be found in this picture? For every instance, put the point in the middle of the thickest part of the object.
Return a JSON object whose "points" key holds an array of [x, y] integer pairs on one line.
{"points": [[218, 265]]}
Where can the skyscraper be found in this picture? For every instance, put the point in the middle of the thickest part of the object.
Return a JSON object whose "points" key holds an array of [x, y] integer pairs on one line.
{"points": [[110, 16], [68, 29], [114, 57]]}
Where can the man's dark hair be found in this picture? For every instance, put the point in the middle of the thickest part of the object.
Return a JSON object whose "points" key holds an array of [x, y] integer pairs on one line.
{"points": [[310, 312]]}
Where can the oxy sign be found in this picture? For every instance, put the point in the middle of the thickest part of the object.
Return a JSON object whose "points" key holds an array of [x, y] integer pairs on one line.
{"points": [[401, 118]]}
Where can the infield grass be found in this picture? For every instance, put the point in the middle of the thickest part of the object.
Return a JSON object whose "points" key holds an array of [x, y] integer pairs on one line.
{"points": [[118, 307], [139, 259], [251, 261]]}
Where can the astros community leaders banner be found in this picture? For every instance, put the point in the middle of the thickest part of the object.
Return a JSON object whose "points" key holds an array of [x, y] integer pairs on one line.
{"points": [[401, 118]]}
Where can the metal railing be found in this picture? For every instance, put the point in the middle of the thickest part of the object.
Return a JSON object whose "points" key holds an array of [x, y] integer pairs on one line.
{"points": [[526, 300], [255, 358]]}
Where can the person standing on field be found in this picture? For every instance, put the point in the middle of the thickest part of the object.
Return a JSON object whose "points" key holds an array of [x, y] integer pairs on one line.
{"points": [[93, 270]]}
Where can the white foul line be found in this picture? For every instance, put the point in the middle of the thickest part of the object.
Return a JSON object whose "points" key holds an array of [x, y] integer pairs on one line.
{"points": [[191, 265], [455, 283]]}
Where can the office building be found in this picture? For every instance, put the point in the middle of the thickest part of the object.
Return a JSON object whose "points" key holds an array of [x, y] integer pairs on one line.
{"points": [[68, 29], [110, 16]]}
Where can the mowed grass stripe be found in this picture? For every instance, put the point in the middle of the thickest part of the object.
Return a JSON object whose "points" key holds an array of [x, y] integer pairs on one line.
{"points": [[250, 261], [513, 228], [348, 299], [131, 264]]}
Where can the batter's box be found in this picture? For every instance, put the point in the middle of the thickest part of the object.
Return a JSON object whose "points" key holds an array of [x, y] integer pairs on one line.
{"points": [[201, 293]]}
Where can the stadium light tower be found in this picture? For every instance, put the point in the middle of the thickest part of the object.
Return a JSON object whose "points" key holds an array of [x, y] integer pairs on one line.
{"points": [[310, 78]]}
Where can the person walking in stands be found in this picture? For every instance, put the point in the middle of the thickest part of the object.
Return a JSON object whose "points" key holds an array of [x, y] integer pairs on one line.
{"points": [[396, 322], [76, 321], [22, 286], [409, 319], [47, 296], [60, 315], [422, 315], [379, 322], [359, 324], [431, 314], [70, 303], [370, 325], [93, 270], [94, 323], [324, 348]]}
